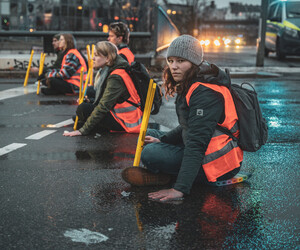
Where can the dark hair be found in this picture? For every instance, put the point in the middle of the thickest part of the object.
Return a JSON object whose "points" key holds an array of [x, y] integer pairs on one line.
{"points": [[171, 87], [56, 36], [70, 41], [120, 29]]}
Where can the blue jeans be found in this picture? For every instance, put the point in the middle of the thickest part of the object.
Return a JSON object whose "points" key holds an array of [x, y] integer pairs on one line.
{"points": [[166, 158]]}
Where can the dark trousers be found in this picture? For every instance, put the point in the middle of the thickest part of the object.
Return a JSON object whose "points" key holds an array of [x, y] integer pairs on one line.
{"points": [[166, 158], [59, 86], [84, 110]]}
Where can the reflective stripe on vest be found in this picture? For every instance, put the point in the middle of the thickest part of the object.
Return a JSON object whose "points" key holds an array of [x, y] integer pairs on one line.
{"points": [[126, 114], [127, 53], [75, 78], [222, 154]]}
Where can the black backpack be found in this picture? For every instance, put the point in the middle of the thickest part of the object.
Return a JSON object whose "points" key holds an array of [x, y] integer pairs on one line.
{"points": [[140, 77], [253, 127]]}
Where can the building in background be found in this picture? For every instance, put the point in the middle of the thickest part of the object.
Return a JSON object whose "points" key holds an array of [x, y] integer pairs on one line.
{"points": [[74, 15]]}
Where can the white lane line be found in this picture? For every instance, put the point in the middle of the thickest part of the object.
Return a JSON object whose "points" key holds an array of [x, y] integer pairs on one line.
{"points": [[14, 92], [61, 124], [11, 147], [40, 135]]}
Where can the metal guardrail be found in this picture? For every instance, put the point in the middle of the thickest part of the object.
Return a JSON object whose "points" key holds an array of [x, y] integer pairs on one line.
{"points": [[47, 35], [74, 33]]}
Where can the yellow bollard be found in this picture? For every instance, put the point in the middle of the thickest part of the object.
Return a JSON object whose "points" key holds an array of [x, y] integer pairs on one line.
{"points": [[88, 51], [85, 85], [75, 123], [42, 60], [79, 97], [92, 65], [145, 121], [81, 81], [28, 69]]}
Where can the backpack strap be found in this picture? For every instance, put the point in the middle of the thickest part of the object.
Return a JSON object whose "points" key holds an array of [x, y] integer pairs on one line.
{"points": [[228, 74], [227, 132], [134, 104]]}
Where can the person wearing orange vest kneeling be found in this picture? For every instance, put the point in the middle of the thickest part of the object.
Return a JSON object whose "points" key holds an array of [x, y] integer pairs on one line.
{"points": [[118, 34], [195, 151], [113, 106], [66, 80]]}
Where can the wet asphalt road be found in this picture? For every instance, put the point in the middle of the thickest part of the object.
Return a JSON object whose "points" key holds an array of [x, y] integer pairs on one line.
{"points": [[67, 193]]}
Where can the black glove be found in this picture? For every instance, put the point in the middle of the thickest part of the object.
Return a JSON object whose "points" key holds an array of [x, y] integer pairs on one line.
{"points": [[41, 77]]}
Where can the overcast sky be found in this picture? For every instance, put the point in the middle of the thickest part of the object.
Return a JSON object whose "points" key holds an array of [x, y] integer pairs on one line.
{"points": [[225, 3]]}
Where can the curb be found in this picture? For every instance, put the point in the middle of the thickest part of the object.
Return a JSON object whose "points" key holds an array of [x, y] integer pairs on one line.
{"points": [[253, 75]]}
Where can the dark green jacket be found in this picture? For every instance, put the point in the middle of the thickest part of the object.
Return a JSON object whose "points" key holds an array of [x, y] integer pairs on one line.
{"points": [[57, 64], [113, 91], [196, 128]]}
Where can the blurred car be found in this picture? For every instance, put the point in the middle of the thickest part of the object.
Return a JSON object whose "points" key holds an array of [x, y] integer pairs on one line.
{"points": [[223, 42], [283, 28]]}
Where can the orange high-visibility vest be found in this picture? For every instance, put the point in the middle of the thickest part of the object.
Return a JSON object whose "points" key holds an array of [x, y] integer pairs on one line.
{"points": [[127, 115], [127, 53], [222, 154], [75, 79]]}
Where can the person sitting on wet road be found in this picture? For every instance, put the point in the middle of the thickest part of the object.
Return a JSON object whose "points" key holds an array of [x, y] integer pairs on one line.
{"points": [[66, 79], [115, 94], [57, 64], [118, 34], [195, 151]]}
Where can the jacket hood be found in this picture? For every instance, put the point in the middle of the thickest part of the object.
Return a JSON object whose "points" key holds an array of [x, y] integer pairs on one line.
{"points": [[210, 73], [120, 63]]}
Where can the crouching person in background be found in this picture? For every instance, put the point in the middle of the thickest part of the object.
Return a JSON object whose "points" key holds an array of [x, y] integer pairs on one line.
{"points": [[66, 80], [113, 107]]}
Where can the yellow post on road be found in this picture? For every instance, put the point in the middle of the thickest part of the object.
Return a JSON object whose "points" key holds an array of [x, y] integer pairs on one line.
{"points": [[28, 68], [145, 121], [80, 95], [92, 65], [88, 52], [42, 60], [85, 85]]}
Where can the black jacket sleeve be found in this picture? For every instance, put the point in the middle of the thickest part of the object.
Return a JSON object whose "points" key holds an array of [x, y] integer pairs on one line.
{"points": [[205, 111], [173, 137]]}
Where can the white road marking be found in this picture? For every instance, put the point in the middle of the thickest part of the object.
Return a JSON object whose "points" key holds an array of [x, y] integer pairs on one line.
{"points": [[11, 147], [62, 124], [40, 135], [14, 92], [85, 236]]}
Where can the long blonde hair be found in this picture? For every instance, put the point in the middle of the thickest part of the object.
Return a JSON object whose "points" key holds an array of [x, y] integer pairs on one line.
{"points": [[108, 50]]}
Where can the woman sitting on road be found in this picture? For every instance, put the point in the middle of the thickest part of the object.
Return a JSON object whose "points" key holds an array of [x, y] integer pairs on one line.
{"points": [[66, 80], [112, 108], [195, 151]]}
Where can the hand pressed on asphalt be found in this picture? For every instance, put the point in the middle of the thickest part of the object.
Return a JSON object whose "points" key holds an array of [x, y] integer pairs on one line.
{"points": [[166, 195], [150, 139], [72, 133]]}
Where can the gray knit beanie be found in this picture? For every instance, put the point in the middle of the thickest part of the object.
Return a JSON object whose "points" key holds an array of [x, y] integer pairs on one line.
{"points": [[186, 47]]}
